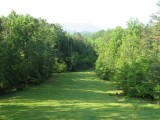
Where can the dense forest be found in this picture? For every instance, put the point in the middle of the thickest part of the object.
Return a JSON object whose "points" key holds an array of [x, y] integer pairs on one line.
{"points": [[31, 49], [131, 57]]}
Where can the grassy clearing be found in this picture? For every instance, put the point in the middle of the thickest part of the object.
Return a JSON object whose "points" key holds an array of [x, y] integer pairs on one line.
{"points": [[74, 96]]}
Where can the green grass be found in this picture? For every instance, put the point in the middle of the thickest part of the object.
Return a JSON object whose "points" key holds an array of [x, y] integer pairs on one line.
{"points": [[75, 96]]}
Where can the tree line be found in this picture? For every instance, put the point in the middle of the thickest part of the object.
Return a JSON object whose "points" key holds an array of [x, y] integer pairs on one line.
{"points": [[31, 49], [131, 57]]}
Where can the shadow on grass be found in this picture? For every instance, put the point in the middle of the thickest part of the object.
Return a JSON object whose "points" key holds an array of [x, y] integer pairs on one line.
{"points": [[77, 95]]}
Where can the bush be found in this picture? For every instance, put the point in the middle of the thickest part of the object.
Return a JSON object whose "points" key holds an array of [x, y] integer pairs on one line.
{"points": [[59, 66]]}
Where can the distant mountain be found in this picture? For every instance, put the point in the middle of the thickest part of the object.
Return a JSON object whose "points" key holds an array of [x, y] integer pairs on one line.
{"points": [[80, 27]]}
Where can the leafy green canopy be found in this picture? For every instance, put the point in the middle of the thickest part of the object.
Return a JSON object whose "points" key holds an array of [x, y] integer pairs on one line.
{"points": [[32, 49], [131, 57]]}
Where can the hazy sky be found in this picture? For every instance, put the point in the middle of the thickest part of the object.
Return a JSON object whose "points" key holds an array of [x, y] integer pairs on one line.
{"points": [[107, 13]]}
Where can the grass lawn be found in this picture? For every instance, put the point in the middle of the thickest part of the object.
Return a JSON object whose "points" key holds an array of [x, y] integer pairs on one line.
{"points": [[75, 96]]}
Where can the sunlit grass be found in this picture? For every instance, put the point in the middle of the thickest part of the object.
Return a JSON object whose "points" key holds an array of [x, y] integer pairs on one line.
{"points": [[75, 96]]}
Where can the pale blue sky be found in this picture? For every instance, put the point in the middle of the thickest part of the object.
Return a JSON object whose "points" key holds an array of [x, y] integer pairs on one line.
{"points": [[106, 13]]}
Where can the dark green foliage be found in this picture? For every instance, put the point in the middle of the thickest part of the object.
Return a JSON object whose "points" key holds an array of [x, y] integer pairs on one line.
{"points": [[23, 58], [131, 57], [32, 49]]}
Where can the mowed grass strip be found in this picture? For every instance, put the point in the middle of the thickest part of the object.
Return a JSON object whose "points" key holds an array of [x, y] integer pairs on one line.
{"points": [[75, 96]]}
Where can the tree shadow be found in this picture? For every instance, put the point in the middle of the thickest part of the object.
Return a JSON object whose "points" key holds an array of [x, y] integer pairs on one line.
{"points": [[77, 95]]}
